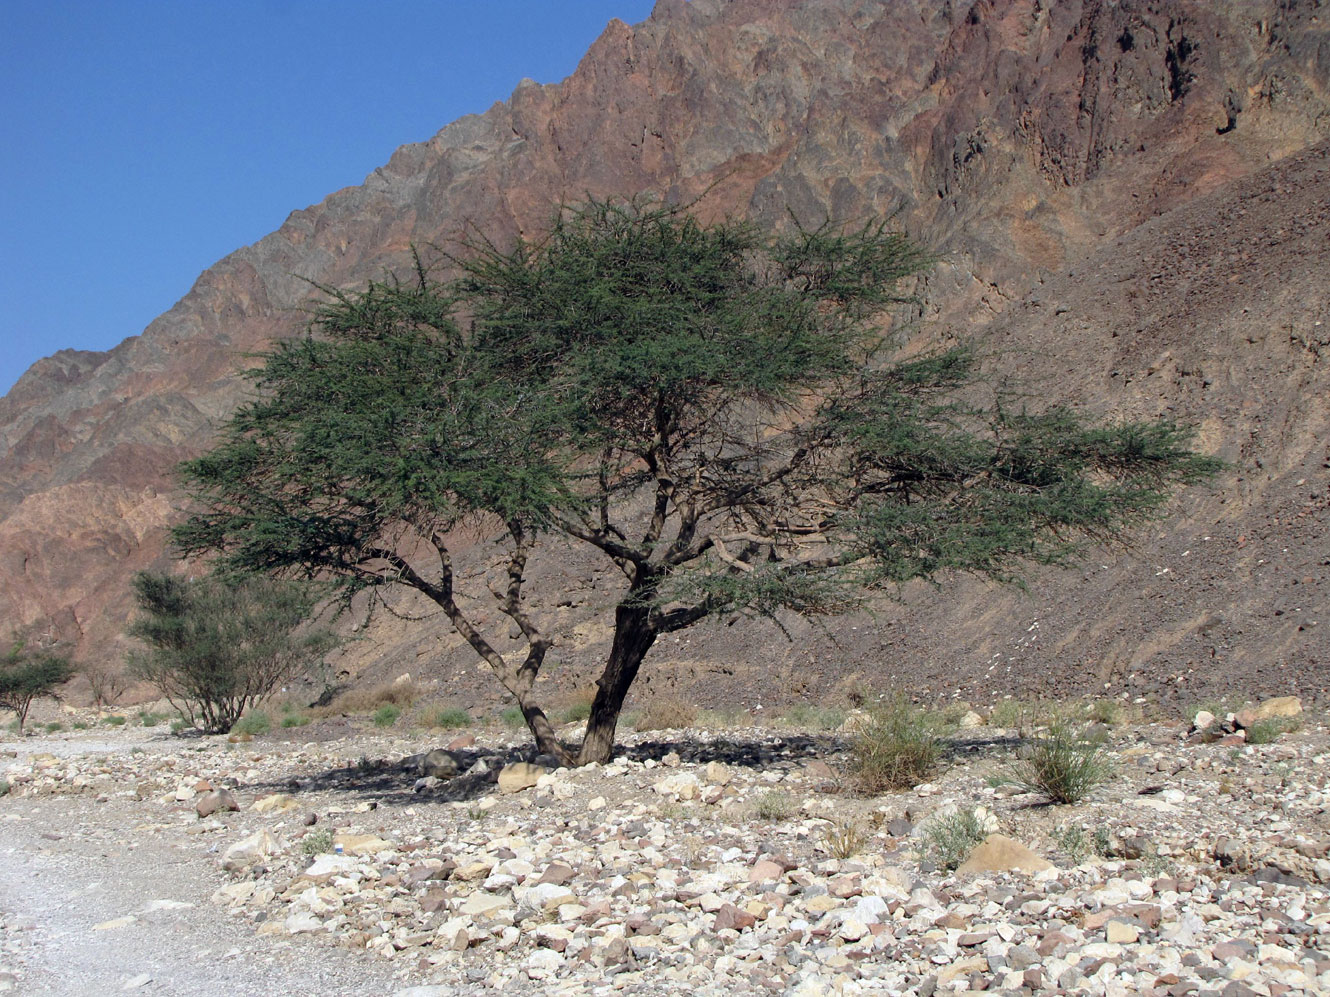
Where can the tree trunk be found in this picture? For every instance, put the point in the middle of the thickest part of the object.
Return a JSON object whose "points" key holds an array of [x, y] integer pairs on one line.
{"points": [[633, 637], [547, 741]]}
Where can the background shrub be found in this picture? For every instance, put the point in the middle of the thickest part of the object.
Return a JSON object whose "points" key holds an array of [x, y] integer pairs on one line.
{"points": [[254, 723], [386, 715], [897, 747], [667, 714], [1063, 765], [215, 646]]}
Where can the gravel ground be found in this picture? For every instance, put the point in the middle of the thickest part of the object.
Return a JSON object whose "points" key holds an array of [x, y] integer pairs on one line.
{"points": [[703, 860]]}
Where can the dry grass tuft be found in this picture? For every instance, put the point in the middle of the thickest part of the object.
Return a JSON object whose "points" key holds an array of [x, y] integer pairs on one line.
{"points": [[667, 714], [399, 694]]}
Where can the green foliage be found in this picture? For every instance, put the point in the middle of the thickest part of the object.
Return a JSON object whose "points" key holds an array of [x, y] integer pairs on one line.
{"points": [[1063, 765], [896, 747], [54, 727], [149, 719], [215, 646], [512, 718], [1268, 730], [1080, 844], [26, 672], [253, 723], [949, 838], [809, 715], [4, 787], [290, 720], [734, 383], [178, 725], [317, 842], [386, 715], [114, 720], [451, 718], [773, 805]]}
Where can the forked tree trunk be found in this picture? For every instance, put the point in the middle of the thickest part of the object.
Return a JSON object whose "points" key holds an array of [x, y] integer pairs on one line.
{"points": [[633, 637]]}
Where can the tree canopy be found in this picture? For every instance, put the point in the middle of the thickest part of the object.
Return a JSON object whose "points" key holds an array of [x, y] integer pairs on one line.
{"points": [[216, 646], [27, 671], [712, 407]]}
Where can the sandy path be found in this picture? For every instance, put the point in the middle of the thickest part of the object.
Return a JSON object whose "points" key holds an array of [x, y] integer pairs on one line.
{"points": [[68, 867]]}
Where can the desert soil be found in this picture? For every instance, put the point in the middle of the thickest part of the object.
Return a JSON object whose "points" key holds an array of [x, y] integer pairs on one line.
{"points": [[703, 859]]}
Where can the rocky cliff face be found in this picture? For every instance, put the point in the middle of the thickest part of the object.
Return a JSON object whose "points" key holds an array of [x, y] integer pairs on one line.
{"points": [[1130, 194]]}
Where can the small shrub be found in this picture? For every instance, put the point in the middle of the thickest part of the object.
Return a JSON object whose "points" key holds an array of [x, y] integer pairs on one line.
{"points": [[114, 720], [667, 714], [399, 694], [1266, 731], [53, 727], [1062, 765], [253, 724], [843, 838], [810, 716], [150, 719], [294, 720], [177, 725], [773, 805], [1080, 844], [80, 725], [1105, 711], [512, 718], [575, 713], [950, 837], [386, 715], [898, 747], [317, 842], [4, 787], [449, 717], [730, 716]]}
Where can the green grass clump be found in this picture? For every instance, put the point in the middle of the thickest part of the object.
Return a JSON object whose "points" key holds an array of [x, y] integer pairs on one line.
{"points": [[177, 725], [54, 727], [254, 723], [386, 715], [449, 717], [1268, 730], [898, 747], [512, 718], [1062, 765], [80, 725], [150, 719], [1080, 844], [4, 787], [294, 720], [773, 805], [114, 720], [1105, 711], [317, 842], [950, 838]]}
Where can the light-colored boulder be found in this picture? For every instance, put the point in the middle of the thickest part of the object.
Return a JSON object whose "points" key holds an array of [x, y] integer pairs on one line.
{"points": [[998, 853], [519, 776], [362, 844], [250, 851], [275, 803]]}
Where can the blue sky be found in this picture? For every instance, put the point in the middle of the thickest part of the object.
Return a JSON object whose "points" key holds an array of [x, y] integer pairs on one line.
{"points": [[143, 140]]}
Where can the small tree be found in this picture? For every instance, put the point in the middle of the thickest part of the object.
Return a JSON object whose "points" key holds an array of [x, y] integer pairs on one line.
{"points": [[105, 680], [708, 406], [27, 672], [216, 646]]}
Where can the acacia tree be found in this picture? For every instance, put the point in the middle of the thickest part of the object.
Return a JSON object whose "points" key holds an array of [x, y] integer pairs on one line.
{"points": [[711, 407], [216, 646], [28, 671]]}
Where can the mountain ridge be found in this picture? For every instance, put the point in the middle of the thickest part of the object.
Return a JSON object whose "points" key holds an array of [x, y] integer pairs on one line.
{"points": [[1015, 137]]}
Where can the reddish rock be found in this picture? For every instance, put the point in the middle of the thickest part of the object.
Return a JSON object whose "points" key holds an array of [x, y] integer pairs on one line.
{"points": [[730, 916]]}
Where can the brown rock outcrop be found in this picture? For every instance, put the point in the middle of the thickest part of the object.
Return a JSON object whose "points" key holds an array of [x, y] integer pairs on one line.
{"points": [[1098, 177]]}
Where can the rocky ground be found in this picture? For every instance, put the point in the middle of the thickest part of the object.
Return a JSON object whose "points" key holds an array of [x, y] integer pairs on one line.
{"points": [[718, 861]]}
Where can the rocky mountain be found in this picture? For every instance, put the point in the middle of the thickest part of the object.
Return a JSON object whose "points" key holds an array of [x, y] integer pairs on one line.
{"points": [[1130, 199]]}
